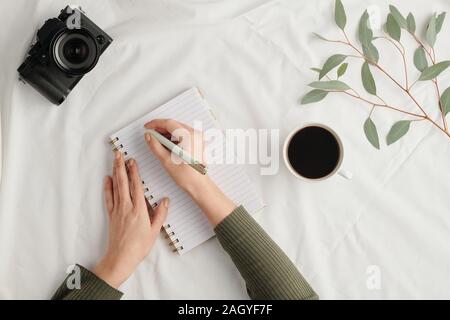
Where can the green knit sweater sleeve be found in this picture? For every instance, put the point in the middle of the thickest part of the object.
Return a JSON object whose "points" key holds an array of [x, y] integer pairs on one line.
{"points": [[90, 287], [267, 271]]}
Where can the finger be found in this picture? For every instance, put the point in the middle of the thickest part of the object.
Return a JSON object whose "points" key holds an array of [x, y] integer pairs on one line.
{"points": [[159, 215], [168, 125], [137, 192], [122, 179], [114, 184], [158, 149], [109, 197]]}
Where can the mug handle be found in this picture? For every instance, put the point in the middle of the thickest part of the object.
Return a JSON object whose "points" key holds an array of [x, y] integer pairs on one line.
{"points": [[345, 174]]}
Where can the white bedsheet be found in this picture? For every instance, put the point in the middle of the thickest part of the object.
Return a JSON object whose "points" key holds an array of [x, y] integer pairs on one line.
{"points": [[251, 58]]}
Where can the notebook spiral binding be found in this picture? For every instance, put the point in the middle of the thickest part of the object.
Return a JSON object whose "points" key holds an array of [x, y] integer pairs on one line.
{"points": [[170, 234], [174, 241]]}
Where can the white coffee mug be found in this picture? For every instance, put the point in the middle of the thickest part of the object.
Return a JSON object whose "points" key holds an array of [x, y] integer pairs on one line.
{"points": [[343, 173]]}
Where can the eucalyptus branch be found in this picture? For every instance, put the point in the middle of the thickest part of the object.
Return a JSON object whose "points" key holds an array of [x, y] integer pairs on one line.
{"points": [[369, 53], [378, 66]]}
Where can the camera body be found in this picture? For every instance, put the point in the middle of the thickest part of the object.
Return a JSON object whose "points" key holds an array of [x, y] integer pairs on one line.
{"points": [[66, 48]]}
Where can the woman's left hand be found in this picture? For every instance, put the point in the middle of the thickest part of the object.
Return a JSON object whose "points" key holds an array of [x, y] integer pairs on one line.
{"points": [[132, 229]]}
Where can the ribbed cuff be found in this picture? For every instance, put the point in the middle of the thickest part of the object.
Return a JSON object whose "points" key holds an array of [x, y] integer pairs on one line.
{"points": [[234, 226], [267, 271], [91, 288]]}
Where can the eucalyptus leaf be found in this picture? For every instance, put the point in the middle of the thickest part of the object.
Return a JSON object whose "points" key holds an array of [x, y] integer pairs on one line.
{"points": [[445, 101], [365, 34], [398, 130], [339, 14], [342, 69], [433, 71], [371, 53], [331, 63], [333, 85], [411, 23], [314, 96], [439, 22], [367, 79], [420, 60], [393, 28], [431, 31], [398, 17], [371, 133]]}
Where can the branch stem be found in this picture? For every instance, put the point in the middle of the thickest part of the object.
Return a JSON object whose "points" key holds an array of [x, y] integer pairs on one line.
{"points": [[382, 105]]}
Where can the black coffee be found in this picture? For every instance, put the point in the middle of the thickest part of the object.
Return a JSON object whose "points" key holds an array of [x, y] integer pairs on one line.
{"points": [[313, 152]]}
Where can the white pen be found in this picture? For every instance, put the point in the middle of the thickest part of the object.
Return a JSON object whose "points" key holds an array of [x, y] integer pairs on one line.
{"points": [[172, 147]]}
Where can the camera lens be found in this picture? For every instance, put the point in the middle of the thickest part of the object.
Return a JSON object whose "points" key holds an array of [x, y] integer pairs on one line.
{"points": [[75, 52]]}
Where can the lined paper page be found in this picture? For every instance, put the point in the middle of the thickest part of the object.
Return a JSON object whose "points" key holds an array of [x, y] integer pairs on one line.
{"points": [[185, 224]]}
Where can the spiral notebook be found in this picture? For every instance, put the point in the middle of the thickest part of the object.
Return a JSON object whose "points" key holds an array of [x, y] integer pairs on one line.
{"points": [[186, 226]]}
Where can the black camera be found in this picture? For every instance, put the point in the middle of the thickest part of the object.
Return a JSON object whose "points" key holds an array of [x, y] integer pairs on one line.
{"points": [[66, 48]]}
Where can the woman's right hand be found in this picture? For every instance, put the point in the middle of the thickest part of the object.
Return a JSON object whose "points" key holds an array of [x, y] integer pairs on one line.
{"points": [[189, 140], [214, 203]]}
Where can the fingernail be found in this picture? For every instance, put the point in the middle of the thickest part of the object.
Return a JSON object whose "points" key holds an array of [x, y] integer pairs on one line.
{"points": [[148, 137], [130, 163], [117, 155], [166, 203]]}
